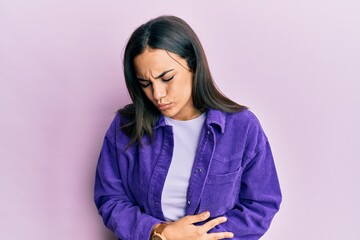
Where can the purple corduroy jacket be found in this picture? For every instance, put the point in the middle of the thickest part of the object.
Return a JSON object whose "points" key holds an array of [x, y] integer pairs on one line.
{"points": [[233, 175]]}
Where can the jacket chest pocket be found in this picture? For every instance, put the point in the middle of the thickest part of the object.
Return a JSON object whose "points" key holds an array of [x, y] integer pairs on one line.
{"points": [[221, 191], [221, 165]]}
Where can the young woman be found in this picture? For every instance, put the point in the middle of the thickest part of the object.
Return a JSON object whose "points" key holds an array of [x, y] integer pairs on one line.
{"points": [[182, 161]]}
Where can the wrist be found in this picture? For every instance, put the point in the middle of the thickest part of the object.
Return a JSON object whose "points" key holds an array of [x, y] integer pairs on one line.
{"points": [[157, 232]]}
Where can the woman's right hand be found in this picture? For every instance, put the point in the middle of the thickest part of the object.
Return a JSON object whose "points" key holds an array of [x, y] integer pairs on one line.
{"points": [[184, 228]]}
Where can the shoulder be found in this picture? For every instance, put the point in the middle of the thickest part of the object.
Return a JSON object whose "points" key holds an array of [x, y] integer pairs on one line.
{"points": [[246, 125], [245, 116], [244, 120]]}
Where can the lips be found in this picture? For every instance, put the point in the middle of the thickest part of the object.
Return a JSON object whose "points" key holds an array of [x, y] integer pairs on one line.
{"points": [[163, 106]]}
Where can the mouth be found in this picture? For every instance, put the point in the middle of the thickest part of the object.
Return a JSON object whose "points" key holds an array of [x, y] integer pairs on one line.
{"points": [[163, 106]]}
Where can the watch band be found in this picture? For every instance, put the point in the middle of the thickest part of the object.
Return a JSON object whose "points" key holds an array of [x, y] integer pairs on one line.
{"points": [[157, 235]]}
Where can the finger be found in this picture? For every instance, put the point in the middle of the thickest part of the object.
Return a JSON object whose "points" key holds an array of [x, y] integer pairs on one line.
{"points": [[197, 218], [213, 223], [219, 235]]}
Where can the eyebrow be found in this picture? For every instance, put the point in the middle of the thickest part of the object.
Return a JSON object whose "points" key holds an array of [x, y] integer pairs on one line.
{"points": [[163, 73], [160, 76]]}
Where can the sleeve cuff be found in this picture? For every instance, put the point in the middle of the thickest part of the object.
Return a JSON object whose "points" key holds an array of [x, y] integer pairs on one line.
{"points": [[143, 228]]}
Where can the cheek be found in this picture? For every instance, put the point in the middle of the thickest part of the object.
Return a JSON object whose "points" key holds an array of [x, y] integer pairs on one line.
{"points": [[180, 89], [187, 88]]}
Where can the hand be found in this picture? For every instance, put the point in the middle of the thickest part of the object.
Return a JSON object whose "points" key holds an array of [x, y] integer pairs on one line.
{"points": [[184, 228]]}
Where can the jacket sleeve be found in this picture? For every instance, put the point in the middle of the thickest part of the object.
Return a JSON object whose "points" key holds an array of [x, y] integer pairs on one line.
{"points": [[259, 198], [120, 214]]}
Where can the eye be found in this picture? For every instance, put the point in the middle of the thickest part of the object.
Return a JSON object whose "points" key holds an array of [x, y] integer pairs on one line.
{"points": [[144, 84], [169, 79]]}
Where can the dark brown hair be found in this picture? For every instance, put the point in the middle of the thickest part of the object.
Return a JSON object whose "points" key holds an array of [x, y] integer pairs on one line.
{"points": [[174, 35]]}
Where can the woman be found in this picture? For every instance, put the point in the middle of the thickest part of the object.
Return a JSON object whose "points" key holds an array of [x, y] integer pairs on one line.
{"points": [[182, 161]]}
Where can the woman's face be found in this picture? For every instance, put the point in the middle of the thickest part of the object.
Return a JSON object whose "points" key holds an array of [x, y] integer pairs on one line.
{"points": [[167, 81]]}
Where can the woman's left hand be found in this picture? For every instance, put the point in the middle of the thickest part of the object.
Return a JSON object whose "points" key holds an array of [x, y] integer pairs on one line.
{"points": [[185, 229]]}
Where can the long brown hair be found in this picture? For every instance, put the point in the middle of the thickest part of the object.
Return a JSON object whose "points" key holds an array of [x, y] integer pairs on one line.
{"points": [[174, 35]]}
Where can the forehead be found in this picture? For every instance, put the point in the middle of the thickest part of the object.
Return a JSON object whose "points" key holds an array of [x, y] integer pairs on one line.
{"points": [[154, 61]]}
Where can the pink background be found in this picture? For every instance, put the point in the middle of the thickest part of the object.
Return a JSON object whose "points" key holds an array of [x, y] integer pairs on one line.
{"points": [[294, 63]]}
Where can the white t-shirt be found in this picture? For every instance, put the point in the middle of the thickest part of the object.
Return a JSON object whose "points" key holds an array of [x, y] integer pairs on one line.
{"points": [[186, 138]]}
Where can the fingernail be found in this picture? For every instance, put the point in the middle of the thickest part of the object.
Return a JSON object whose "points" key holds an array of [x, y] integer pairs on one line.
{"points": [[207, 214], [224, 219]]}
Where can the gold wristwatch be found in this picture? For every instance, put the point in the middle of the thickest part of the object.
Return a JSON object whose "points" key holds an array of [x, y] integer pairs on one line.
{"points": [[157, 234]]}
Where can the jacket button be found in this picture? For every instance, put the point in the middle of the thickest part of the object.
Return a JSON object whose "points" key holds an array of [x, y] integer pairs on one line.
{"points": [[198, 170], [208, 132], [188, 202]]}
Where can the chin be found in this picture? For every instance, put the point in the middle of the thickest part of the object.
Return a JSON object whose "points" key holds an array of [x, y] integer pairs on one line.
{"points": [[169, 115]]}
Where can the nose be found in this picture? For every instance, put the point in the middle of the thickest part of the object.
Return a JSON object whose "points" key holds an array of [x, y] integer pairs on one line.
{"points": [[159, 90]]}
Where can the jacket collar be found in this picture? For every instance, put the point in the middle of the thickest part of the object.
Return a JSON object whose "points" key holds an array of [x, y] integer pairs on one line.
{"points": [[217, 118], [213, 118]]}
